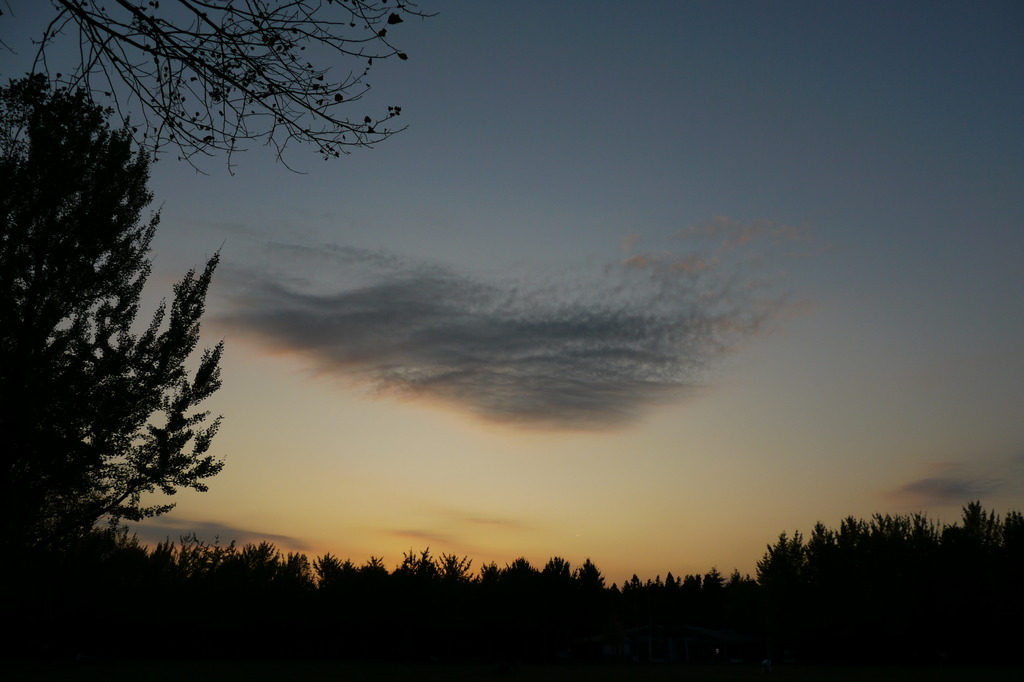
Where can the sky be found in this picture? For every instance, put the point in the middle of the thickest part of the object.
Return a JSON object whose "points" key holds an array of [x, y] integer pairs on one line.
{"points": [[646, 284]]}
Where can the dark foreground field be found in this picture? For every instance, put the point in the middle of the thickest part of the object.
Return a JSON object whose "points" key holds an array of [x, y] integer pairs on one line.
{"points": [[315, 672]]}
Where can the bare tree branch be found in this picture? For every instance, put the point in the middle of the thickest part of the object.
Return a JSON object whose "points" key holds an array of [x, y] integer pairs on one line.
{"points": [[210, 76]]}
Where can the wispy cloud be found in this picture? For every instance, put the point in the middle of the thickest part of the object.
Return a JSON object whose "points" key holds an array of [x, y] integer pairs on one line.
{"points": [[451, 516], [957, 484], [425, 537], [169, 528], [448, 529], [943, 490], [576, 351], [728, 234]]}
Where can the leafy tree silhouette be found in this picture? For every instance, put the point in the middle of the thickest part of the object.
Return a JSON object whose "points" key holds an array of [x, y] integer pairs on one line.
{"points": [[93, 415]]}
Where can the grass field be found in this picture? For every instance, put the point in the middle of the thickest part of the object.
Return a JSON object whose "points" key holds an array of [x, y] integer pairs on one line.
{"points": [[322, 672]]}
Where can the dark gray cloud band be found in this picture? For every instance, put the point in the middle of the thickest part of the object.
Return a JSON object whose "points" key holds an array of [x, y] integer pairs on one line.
{"points": [[583, 352], [943, 490], [959, 483], [168, 528]]}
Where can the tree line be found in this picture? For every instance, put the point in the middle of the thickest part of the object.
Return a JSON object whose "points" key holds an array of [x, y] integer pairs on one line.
{"points": [[894, 589]]}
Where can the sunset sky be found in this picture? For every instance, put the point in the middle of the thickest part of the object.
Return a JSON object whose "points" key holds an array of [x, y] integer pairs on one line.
{"points": [[642, 282]]}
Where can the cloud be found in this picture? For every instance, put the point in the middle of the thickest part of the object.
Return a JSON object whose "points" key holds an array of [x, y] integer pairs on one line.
{"points": [[455, 529], [630, 242], [956, 484], [497, 524], [942, 490], [578, 350], [424, 536], [451, 516], [732, 234], [452, 532], [159, 530]]}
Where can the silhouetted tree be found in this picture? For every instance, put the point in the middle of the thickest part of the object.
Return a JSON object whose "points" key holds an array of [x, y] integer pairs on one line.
{"points": [[331, 572], [782, 574], [589, 577], [490, 573], [513, 619], [93, 415], [712, 595], [741, 604], [452, 568], [419, 567], [210, 76], [454, 606], [594, 603], [897, 588]]}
